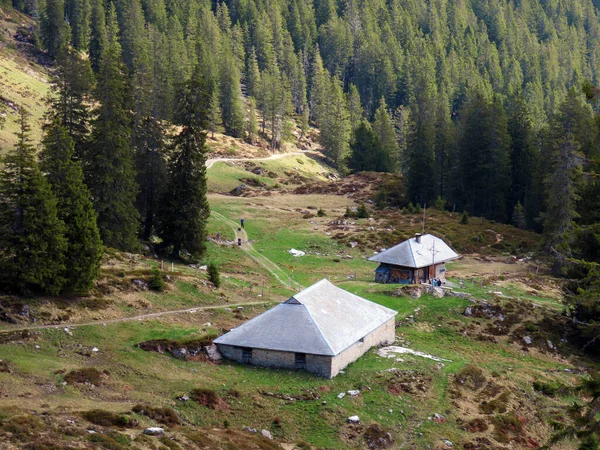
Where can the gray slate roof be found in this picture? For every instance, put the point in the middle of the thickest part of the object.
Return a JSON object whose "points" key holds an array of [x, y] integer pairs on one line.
{"points": [[321, 320], [410, 253]]}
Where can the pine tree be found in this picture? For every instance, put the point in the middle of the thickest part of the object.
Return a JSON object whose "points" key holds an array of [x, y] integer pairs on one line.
{"points": [[252, 76], [231, 96], [109, 166], [74, 208], [355, 109], [251, 123], [384, 129], [98, 36], [54, 29], [185, 209], [319, 89], [365, 149], [78, 13], [518, 217], [214, 114], [72, 83], [566, 160], [335, 126], [32, 242]]}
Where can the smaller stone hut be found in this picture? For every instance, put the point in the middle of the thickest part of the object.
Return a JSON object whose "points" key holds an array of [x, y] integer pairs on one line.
{"points": [[321, 330], [416, 260]]}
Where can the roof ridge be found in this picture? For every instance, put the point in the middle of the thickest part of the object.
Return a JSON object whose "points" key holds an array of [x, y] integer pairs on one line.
{"points": [[319, 329], [310, 288], [412, 253]]}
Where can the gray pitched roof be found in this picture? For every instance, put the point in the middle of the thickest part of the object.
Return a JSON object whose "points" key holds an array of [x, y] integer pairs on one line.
{"points": [[411, 253], [321, 320]]}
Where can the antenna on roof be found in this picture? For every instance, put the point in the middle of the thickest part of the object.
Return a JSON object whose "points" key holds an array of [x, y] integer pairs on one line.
{"points": [[424, 210]]}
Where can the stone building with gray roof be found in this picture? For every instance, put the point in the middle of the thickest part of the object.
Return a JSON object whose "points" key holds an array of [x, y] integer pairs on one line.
{"points": [[416, 260], [321, 330]]}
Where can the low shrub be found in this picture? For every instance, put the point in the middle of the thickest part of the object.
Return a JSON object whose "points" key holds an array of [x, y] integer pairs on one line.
{"points": [[166, 416], [205, 397], [321, 213], [549, 390], [156, 282], [87, 375], [109, 419], [214, 275]]}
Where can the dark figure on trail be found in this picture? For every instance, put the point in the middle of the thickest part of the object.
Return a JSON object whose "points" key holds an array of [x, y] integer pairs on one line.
{"points": [[219, 236], [242, 223], [240, 241]]}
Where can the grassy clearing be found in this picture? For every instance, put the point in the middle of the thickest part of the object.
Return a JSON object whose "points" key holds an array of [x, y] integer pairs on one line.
{"points": [[24, 85], [293, 170]]}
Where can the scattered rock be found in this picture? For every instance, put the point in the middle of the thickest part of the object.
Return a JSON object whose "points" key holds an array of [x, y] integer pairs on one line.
{"points": [[251, 430], [95, 350], [353, 393], [213, 353], [353, 419], [183, 398], [239, 190], [438, 292], [448, 443], [266, 433], [341, 395], [438, 418], [353, 244], [69, 332], [154, 431], [141, 284], [527, 340]]}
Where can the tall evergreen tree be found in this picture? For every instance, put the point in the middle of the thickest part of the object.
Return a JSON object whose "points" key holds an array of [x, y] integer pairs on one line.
{"points": [[335, 126], [231, 96], [53, 27], [365, 149], [185, 209], [78, 13], [72, 84], [32, 242], [384, 129], [98, 36], [74, 208], [109, 169], [566, 135]]}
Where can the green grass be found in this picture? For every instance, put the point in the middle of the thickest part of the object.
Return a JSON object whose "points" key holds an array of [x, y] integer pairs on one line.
{"points": [[24, 85]]}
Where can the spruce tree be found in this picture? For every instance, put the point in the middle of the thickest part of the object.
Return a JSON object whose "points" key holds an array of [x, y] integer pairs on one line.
{"points": [[78, 13], [72, 84], [98, 36], [32, 241], [319, 88], [185, 209], [53, 27], [109, 166], [384, 129], [231, 96], [335, 125], [355, 109], [74, 207], [365, 149], [214, 114], [251, 122]]}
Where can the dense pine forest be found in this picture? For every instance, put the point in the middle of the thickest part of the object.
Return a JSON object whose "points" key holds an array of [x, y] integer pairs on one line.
{"points": [[488, 107]]}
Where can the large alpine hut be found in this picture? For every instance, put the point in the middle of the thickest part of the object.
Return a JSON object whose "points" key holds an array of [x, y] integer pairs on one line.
{"points": [[321, 330]]}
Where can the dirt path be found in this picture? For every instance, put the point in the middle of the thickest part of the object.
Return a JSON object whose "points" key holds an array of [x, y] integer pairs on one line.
{"points": [[279, 273], [130, 319], [211, 162]]}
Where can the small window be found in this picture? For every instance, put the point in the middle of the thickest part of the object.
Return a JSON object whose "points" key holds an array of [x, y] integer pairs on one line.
{"points": [[300, 361], [246, 355]]}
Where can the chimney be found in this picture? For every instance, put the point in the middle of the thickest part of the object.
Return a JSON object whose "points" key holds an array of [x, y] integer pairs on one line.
{"points": [[418, 238]]}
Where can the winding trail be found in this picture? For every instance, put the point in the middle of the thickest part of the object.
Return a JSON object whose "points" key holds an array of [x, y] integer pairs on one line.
{"points": [[274, 269], [211, 162], [129, 319]]}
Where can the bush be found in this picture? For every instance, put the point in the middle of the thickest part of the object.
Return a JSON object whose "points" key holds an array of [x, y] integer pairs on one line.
{"points": [[205, 397], [88, 375], [362, 212], [108, 419], [464, 218], [166, 416], [156, 282], [440, 204], [321, 213], [549, 390], [213, 274]]}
